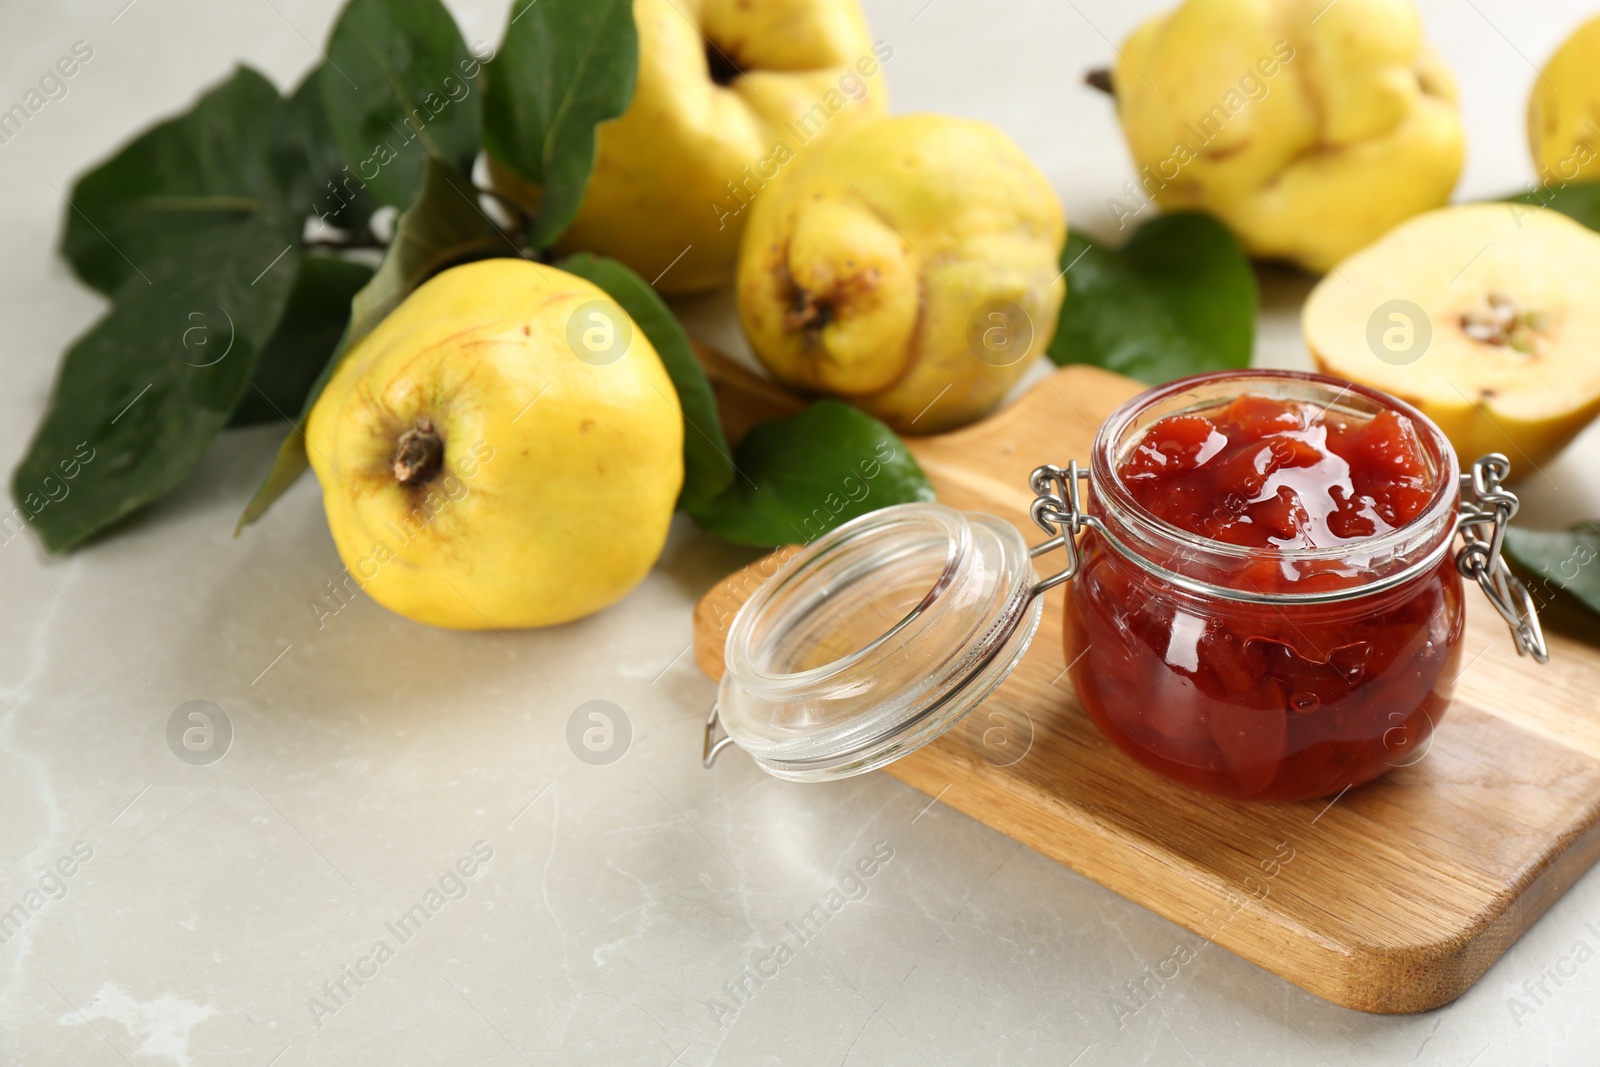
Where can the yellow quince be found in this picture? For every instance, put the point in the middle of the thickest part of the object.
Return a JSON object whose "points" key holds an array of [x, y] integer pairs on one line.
{"points": [[1564, 111], [505, 449], [1309, 128], [909, 265], [729, 93], [1481, 315]]}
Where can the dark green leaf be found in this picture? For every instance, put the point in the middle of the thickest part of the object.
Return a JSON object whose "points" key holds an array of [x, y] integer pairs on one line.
{"points": [[801, 476], [1568, 560], [1580, 201], [321, 181], [707, 468], [443, 227], [565, 66], [145, 391], [307, 334], [400, 86], [194, 171], [1179, 298]]}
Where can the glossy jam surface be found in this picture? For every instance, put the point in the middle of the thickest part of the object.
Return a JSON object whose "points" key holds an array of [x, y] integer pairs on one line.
{"points": [[1273, 473], [1268, 701]]}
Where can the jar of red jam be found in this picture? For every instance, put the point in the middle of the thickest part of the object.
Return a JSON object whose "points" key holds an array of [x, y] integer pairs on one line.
{"points": [[1266, 601], [1265, 597]]}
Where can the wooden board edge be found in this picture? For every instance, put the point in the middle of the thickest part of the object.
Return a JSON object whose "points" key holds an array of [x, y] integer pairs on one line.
{"points": [[1379, 980]]}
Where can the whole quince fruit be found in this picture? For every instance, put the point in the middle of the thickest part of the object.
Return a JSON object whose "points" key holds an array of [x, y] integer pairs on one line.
{"points": [[909, 265], [503, 450], [1483, 316], [729, 93], [1564, 111], [1309, 128]]}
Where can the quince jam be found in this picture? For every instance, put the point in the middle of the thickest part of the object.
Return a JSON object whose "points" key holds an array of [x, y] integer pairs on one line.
{"points": [[1229, 679]]}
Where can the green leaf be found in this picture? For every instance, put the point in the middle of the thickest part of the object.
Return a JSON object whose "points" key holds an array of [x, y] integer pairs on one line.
{"points": [[1568, 560], [1580, 201], [307, 334], [150, 385], [565, 66], [320, 179], [400, 86], [707, 466], [216, 161], [442, 228], [1179, 298], [801, 476]]}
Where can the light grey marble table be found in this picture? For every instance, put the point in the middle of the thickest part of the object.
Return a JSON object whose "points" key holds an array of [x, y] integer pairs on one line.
{"points": [[227, 914]]}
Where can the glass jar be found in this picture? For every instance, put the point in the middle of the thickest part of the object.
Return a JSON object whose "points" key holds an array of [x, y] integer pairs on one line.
{"points": [[875, 640], [1265, 673], [1272, 674]]}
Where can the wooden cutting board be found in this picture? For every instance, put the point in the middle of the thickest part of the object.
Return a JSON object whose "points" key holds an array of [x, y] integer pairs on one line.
{"points": [[1393, 898]]}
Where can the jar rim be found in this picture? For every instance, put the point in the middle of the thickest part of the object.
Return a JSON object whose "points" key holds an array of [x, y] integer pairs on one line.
{"points": [[1441, 505], [972, 618], [740, 644]]}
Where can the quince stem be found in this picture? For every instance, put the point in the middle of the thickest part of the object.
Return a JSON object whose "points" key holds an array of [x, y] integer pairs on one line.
{"points": [[809, 313], [418, 455]]}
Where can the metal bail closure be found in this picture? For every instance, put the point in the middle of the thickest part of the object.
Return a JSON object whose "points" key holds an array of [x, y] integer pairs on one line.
{"points": [[873, 640], [716, 740], [1486, 511], [1058, 512]]}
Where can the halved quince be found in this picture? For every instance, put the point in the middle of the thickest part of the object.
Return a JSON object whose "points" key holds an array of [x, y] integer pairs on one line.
{"points": [[1483, 316]]}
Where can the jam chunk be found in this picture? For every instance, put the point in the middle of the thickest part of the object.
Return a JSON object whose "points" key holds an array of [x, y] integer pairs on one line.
{"points": [[1268, 473]]}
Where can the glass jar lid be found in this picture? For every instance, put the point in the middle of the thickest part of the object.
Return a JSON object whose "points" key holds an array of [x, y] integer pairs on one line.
{"points": [[875, 639]]}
